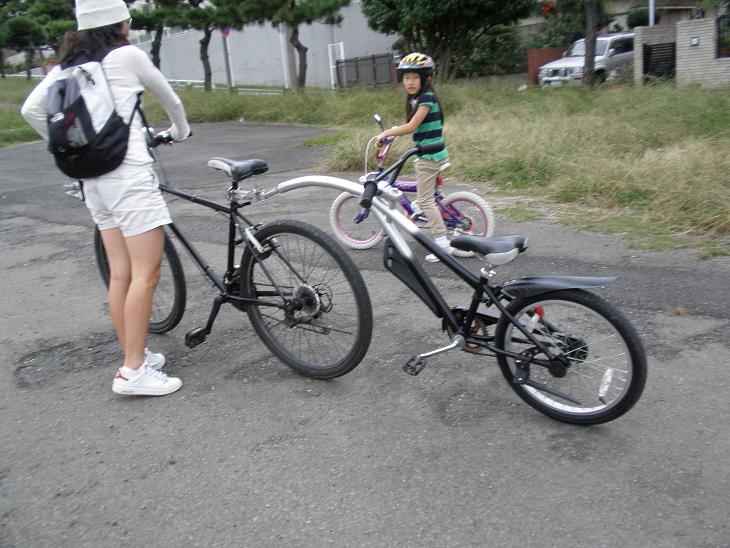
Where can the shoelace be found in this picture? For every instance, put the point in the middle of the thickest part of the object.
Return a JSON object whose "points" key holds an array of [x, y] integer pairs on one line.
{"points": [[156, 374]]}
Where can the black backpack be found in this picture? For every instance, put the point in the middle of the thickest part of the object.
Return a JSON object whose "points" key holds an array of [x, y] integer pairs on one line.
{"points": [[86, 135]]}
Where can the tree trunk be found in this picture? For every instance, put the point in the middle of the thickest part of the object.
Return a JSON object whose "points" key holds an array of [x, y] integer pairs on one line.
{"points": [[447, 68], [589, 74], [2, 64], [204, 42], [157, 44], [28, 62], [302, 53]]}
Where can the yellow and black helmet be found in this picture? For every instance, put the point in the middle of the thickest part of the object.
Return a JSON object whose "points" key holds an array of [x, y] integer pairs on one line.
{"points": [[416, 62]]}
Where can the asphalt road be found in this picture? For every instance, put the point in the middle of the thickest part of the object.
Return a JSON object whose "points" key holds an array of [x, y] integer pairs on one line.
{"points": [[249, 454]]}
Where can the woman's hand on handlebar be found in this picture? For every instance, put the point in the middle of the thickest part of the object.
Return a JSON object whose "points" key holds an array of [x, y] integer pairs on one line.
{"points": [[165, 138]]}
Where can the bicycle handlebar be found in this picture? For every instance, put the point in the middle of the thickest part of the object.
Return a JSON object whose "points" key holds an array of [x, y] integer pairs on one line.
{"points": [[164, 137], [371, 187], [430, 149]]}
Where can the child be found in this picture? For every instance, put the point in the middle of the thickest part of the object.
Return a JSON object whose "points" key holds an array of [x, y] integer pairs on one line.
{"points": [[424, 118]]}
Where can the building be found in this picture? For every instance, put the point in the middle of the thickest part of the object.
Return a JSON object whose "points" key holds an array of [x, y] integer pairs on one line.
{"points": [[259, 53]]}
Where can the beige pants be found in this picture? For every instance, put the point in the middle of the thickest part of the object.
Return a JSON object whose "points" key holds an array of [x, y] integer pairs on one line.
{"points": [[427, 171]]}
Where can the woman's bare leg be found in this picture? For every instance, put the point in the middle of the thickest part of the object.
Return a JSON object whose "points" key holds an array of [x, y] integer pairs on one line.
{"points": [[120, 275], [145, 255]]}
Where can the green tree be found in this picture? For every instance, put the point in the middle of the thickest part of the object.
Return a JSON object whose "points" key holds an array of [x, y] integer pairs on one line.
{"points": [[292, 14], [206, 16], [448, 30], [56, 17], [25, 34], [153, 21], [640, 18], [3, 44], [500, 51], [566, 23]]}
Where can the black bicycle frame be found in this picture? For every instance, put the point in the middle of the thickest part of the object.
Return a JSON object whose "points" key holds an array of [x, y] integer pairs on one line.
{"points": [[423, 287], [222, 284], [418, 281]]}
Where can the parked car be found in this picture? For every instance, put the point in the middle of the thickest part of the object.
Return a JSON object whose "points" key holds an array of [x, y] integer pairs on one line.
{"points": [[613, 52]]}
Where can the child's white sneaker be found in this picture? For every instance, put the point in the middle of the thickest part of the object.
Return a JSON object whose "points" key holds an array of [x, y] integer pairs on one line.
{"points": [[146, 382], [154, 360], [431, 258]]}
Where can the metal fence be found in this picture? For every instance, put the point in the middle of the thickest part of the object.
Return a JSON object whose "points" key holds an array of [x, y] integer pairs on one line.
{"points": [[660, 60], [371, 70]]}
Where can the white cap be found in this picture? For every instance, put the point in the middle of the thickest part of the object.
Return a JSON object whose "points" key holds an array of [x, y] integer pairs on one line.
{"points": [[91, 14]]}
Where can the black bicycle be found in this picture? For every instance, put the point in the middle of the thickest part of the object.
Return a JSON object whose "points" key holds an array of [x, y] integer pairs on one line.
{"points": [[304, 296], [565, 351]]}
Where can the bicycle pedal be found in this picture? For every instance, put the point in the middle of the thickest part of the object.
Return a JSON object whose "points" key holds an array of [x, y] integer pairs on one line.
{"points": [[414, 365], [196, 336]]}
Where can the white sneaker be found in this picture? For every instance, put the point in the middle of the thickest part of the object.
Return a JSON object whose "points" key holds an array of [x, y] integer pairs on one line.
{"points": [[431, 258], [154, 361], [147, 382]]}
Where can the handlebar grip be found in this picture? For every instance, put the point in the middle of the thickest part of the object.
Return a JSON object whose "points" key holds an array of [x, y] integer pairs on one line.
{"points": [[161, 138], [164, 137], [432, 148], [371, 187]]}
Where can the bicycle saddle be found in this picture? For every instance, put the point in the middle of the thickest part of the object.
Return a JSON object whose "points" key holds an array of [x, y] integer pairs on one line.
{"points": [[239, 169], [496, 249]]}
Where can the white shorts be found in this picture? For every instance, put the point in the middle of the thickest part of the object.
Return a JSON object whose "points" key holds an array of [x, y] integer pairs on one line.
{"points": [[128, 198]]}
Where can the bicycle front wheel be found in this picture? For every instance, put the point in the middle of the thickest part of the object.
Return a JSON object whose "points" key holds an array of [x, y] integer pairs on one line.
{"points": [[319, 319], [467, 213], [355, 234], [168, 303], [600, 366]]}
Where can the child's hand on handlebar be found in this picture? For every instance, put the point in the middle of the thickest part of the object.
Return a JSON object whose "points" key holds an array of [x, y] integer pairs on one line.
{"points": [[384, 138]]}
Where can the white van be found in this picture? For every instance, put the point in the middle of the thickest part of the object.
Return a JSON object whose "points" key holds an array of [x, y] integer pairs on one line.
{"points": [[613, 52]]}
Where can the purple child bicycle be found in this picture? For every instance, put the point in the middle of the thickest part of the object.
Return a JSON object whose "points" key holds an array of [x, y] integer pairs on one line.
{"points": [[463, 212]]}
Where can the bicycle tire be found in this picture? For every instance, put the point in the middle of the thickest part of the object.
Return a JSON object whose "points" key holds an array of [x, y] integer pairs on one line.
{"points": [[480, 215], [607, 363], [342, 220], [309, 265], [168, 304]]}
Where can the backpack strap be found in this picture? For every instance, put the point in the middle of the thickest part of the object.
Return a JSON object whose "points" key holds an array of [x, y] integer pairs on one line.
{"points": [[138, 108]]}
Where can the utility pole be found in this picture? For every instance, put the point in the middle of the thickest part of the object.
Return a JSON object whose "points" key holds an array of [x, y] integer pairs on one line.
{"points": [[652, 10], [227, 58]]}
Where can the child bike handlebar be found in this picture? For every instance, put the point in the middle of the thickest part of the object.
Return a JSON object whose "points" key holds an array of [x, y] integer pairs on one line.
{"points": [[371, 186]]}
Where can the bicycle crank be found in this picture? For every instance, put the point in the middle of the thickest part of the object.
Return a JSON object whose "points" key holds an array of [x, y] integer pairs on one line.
{"points": [[416, 363]]}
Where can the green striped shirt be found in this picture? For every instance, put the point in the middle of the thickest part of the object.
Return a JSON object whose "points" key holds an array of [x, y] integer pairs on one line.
{"points": [[431, 129]]}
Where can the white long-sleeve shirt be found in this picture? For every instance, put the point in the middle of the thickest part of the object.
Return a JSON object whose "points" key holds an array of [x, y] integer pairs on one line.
{"points": [[129, 71]]}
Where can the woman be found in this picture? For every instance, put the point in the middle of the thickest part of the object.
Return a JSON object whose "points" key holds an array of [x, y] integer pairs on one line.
{"points": [[126, 203]]}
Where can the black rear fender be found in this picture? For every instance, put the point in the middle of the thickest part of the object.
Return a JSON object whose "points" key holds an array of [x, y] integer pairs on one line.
{"points": [[535, 285]]}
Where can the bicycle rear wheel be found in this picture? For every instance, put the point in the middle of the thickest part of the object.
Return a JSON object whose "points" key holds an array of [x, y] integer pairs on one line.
{"points": [[322, 324], [168, 303], [343, 220], [600, 370]]}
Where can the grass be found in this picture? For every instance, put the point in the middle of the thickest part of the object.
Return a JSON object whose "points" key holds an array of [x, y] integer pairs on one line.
{"points": [[13, 129], [653, 161]]}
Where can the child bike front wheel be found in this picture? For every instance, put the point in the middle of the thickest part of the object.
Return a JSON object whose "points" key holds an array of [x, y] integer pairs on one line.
{"points": [[348, 226]]}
